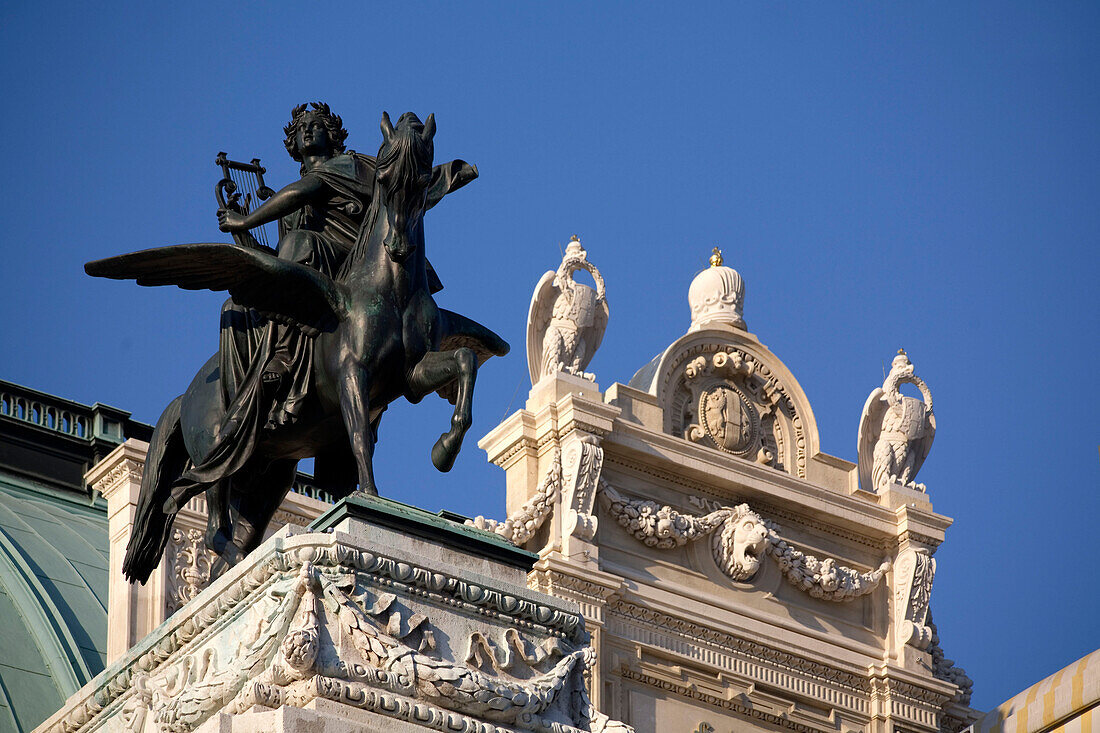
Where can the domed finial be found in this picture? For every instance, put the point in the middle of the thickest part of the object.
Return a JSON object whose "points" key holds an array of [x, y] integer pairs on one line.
{"points": [[717, 296]]}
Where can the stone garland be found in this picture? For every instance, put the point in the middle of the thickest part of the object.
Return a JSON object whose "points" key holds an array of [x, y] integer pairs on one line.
{"points": [[131, 682], [744, 536], [524, 522], [397, 668]]}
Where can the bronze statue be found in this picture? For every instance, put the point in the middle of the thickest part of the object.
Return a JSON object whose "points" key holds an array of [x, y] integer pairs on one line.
{"points": [[315, 341]]}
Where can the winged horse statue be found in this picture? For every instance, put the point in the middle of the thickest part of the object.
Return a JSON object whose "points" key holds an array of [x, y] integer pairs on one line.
{"points": [[378, 335]]}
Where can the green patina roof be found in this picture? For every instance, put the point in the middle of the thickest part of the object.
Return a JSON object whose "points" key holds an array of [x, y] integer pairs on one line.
{"points": [[53, 598]]}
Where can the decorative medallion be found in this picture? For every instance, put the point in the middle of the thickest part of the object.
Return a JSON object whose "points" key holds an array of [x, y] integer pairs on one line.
{"points": [[728, 418]]}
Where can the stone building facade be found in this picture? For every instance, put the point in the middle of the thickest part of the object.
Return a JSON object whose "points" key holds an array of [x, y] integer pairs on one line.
{"points": [[733, 576]]}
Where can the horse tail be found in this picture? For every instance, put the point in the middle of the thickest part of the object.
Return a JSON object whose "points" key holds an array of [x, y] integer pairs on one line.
{"points": [[166, 460]]}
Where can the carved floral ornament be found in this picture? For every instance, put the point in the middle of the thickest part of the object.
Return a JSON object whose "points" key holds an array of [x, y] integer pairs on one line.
{"points": [[722, 396]]}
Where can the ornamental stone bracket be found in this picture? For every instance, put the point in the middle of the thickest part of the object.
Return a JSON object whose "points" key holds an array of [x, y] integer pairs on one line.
{"points": [[914, 571], [582, 464], [382, 634]]}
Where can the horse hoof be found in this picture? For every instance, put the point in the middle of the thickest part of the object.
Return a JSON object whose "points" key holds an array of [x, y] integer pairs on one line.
{"points": [[443, 454]]}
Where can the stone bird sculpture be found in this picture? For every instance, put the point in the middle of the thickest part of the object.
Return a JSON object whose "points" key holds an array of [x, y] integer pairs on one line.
{"points": [[895, 431], [567, 319]]}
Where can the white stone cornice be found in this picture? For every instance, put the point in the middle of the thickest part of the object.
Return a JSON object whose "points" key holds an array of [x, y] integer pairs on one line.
{"points": [[122, 465]]}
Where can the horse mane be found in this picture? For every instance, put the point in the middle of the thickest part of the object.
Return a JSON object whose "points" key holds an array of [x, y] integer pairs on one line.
{"points": [[404, 163]]}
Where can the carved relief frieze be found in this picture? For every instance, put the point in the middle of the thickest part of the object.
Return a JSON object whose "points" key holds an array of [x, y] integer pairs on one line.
{"points": [[737, 703], [753, 660], [329, 621], [127, 470], [512, 648], [723, 397], [914, 571], [737, 549]]}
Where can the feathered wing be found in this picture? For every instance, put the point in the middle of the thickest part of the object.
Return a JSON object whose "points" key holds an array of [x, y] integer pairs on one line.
{"points": [[538, 319], [593, 335], [459, 331], [870, 425], [282, 290], [923, 446]]}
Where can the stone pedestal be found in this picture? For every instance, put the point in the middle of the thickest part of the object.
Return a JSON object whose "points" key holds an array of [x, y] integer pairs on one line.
{"points": [[382, 617]]}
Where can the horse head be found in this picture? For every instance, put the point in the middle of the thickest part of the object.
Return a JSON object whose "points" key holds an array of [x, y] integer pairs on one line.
{"points": [[404, 173]]}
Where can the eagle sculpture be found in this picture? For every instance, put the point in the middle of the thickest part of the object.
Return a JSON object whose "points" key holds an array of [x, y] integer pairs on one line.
{"points": [[567, 319], [895, 431]]}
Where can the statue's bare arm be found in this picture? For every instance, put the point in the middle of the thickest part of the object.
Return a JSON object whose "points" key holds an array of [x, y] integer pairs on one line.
{"points": [[287, 200]]}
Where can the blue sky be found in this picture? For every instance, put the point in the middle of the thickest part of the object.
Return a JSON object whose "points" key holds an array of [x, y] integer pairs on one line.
{"points": [[883, 175]]}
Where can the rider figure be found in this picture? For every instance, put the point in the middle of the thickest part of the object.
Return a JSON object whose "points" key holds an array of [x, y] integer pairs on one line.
{"points": [[266, 367]]}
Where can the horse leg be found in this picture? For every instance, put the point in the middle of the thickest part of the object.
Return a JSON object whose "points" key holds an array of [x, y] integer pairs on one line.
{"points": [[219, 516], [258, 506], [219, 526], [355, 409], [438, 369]]}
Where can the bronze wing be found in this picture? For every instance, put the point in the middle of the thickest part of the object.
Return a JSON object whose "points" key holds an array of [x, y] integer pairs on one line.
{"points": [[281, 290]]}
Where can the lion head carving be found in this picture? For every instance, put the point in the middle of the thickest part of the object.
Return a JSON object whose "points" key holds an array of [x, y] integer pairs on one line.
{"points": [[743, 539]]}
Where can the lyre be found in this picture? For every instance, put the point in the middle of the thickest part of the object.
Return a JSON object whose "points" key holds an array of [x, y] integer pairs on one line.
{"points": [[242, 189]]}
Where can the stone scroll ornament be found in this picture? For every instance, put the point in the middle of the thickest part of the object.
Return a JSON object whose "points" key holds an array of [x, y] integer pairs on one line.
{"points": [[739, 538], [895, 431], [567, 319]]}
